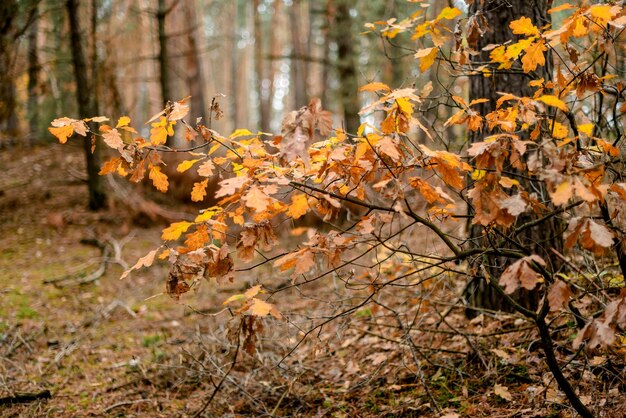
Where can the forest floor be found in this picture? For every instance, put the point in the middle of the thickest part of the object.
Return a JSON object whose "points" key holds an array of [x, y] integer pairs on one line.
{"points": [[122, 348]]}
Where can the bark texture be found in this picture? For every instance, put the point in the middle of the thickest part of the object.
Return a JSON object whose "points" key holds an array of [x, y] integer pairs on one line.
{"points": [[86, 107], [540, 239]]}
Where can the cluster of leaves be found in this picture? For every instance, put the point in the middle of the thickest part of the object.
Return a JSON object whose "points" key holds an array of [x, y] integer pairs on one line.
{"points": [[553, 138]]}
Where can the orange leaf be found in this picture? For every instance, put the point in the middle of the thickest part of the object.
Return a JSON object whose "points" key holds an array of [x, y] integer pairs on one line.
{"points": [[174, 231], [145, 261], [299, 206], [375, 86], [199, 191], [524, 26], [159, 179], [62, 133], [426, 57], [533, 56]]}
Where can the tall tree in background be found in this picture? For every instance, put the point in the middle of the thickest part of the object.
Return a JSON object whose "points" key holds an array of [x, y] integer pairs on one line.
{"points": [[259, 68], [299, 54], [164, 75], [8, 36], [342, 34], [497, 15], [33, 78], [86, 107], [195, 69]]}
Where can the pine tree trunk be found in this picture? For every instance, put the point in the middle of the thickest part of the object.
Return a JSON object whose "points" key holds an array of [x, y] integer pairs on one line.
{"points": [[540, 239]]}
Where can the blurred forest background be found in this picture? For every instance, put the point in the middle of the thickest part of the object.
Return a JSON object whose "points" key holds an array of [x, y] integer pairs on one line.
{"points": [[265, 56]]}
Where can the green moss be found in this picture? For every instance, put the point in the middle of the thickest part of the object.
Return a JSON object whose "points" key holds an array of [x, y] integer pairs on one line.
{"points": [[26, 312], [152, 340]]}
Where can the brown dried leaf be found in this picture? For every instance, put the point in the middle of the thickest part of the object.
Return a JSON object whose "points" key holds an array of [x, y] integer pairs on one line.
{"points": [[559, 295]]}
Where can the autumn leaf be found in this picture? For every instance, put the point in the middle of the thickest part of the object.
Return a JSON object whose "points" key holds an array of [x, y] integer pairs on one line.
{"points": [[553, 101], [448, 13], [533, 56], [426, 57], [186, 165], [375, 86], [524, 26], [256, 199], [562, 194], [521, 273], [559, 295], [261, 308], [62, 133], [123, 121], [503, 392], [159, 179], [199, 191], [206, 168], [145, 261], [174, 231], [112, 138], [160, 131], [299, 206]]}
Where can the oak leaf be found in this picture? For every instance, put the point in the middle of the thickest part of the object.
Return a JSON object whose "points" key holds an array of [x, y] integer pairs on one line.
{"points": [[174, 231], [559, 295], [198, 192], [159, 179]]}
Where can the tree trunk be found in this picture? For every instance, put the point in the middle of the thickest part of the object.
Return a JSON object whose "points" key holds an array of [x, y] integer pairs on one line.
{"points": [[164, 74], [195, 75], [540, 239], [346, 65], [298, 52], [8, 116], [260, 78], [33, 80], [86, 107]]}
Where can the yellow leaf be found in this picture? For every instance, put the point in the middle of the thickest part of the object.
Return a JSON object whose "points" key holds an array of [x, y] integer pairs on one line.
{"points": [[62, 133], [199, 191], [534, 56], [159, 179], [123, 121], [586, 128], [234, 298], [601, 11], [524, 26], [478, 174], [562, 194], [448, 13], [513, 50], [375, 86], [240, 132], [426, 57], [186, 165], [174, 231], [560, 131], [299, 206], [158, 133], [551, 100]]}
